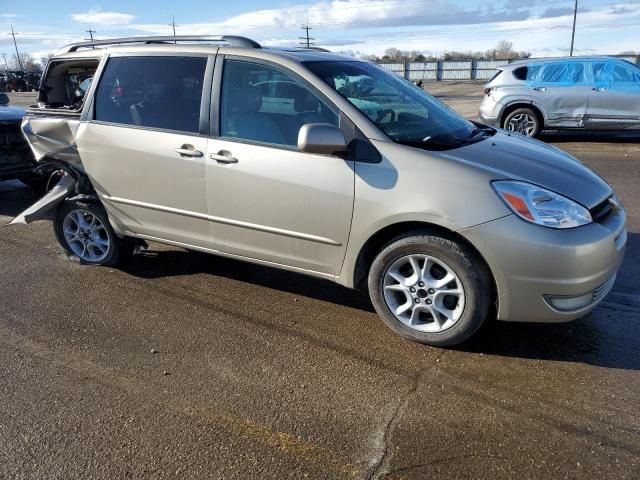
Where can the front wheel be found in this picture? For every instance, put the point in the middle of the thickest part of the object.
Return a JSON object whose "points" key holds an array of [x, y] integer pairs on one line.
{"points": [[430, 289], [84, 232]]}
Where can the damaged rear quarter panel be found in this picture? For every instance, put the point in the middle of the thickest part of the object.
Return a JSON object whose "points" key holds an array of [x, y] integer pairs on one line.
{"points": [[53, 137]]}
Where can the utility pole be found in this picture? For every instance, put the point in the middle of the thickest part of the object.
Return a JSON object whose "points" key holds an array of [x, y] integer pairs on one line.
{"points": [[13, 34], [306, 40], [173, 24], [573, 33], [90, 32]]}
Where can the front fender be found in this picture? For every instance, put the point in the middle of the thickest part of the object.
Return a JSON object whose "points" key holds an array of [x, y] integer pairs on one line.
{"points": [[49, 202]]}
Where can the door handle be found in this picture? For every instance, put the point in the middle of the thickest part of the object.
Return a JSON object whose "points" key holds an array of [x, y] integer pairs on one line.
{"points": [[223, 156], [598, 89], [188, 151], [540, 89]]}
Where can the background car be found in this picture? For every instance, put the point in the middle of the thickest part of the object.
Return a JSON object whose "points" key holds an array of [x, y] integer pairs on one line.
{"points": [[16, 158], [577, 93]]}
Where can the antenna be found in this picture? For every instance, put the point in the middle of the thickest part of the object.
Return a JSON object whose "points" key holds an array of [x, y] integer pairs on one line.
{"points": [[306, 40], [13, 34]]}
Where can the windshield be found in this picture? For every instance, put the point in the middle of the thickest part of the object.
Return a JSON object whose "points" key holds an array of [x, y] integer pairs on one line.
{"points": [[405, 112]]}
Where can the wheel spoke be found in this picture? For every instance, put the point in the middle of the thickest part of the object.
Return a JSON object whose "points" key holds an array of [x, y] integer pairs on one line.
{"points": [[403, 308]]}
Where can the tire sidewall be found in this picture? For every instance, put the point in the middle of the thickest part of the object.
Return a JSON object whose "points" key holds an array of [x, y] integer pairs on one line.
{"points": [[467, 268], [97, 210]]}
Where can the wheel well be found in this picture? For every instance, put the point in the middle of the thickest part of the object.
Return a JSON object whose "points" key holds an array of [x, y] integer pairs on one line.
{"points": [[382, 237], [516, 106]]}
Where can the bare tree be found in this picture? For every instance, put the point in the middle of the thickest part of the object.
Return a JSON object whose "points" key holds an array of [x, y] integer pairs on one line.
{"points": [[44, 60], [504, 50], [28, 63]]}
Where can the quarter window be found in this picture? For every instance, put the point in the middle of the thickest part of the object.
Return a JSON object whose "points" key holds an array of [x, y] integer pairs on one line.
{"points": [[154, 92], [263, 104]]}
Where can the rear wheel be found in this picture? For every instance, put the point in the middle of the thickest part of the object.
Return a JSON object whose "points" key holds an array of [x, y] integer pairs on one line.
{"points": [[524, 121], [84, 232], [430, 289]]}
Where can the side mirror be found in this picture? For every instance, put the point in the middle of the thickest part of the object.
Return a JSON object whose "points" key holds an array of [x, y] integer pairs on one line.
{"points": [[321, 138], [4, 98]]}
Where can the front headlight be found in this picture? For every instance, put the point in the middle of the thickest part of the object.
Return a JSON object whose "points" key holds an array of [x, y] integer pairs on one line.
{"points": [[540, 206]]}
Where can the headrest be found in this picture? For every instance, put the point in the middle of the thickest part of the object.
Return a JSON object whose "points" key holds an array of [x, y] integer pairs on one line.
{"points": [[304, 101], [246, 100]]}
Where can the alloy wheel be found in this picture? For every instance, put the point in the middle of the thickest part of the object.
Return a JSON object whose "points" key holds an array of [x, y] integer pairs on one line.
{"points": [[522, 123], [424, 293], [86, 235]]}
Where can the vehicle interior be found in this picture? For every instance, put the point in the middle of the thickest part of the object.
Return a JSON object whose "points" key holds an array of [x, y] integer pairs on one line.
{"points": [[66, 84]]}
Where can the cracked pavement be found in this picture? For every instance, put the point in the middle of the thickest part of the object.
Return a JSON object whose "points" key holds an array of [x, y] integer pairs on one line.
{"points": [[183, 365]]}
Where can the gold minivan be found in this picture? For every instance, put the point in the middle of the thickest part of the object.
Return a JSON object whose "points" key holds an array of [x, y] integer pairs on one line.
{"points": [[321, 164]]}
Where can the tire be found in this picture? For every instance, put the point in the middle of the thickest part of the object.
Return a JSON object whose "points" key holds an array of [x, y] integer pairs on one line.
{"points": [[524, 121], [467, 311], [93, 246]]}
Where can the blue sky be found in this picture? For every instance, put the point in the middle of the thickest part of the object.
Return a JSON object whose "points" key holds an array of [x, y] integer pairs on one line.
{"points": [[364, 26]]}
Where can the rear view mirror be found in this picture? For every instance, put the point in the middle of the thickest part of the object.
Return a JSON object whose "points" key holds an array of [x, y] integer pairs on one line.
{"points": [[321, 138], [4, 98]]}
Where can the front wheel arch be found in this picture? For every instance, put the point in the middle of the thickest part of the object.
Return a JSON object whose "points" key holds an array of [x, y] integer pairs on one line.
{"points": [[377, 242]]}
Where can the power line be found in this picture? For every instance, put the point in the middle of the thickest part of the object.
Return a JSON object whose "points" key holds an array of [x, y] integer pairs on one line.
{"points": [[13, 34], [573, 32], [306, 40]]}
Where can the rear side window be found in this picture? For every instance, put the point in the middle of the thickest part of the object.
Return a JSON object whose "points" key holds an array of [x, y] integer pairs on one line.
{"points": [[154, 92], [559, 73], [521, 73]]}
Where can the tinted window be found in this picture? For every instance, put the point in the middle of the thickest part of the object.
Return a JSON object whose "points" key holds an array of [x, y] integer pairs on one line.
{"points": [[261, 103], [520, 73], [156, 92]]}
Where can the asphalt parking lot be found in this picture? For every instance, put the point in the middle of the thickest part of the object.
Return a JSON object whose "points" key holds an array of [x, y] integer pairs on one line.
{"points": [[183, 365]]}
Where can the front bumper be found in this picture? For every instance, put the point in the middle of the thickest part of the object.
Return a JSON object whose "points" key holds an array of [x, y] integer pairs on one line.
{"points": [[532, 265]]}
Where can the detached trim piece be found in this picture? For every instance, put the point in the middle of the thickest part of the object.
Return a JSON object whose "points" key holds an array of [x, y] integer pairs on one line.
{"points": [[225, 221]]}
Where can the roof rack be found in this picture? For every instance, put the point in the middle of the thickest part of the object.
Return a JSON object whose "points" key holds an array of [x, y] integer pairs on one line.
{"points": [[232, 40]]}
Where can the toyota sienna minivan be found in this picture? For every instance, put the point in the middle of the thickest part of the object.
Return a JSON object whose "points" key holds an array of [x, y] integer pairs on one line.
{"points": [[321, 164]]}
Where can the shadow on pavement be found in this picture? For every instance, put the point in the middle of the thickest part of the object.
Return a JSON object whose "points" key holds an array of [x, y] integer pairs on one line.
{"points": [[608, 337], [157, 264]]}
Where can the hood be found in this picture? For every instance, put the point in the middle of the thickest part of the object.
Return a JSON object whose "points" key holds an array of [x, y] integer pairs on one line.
{"points": [[519, 158], [11, 114]]}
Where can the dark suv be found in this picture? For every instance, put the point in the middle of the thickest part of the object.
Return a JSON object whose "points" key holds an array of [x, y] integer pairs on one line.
{"points": [[16, 159]]}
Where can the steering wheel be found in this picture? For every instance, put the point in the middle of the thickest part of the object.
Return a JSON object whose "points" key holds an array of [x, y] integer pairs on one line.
{"points": [[385, 113]]}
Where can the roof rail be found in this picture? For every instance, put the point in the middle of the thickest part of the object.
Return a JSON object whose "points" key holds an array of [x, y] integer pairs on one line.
{"points": [[232, 40]]}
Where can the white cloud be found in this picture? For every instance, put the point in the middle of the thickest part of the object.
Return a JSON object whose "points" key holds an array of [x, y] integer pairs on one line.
{"points": [[98, 17]]}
